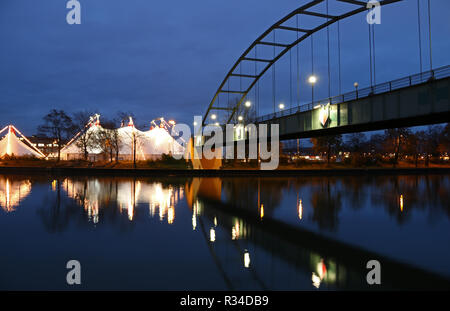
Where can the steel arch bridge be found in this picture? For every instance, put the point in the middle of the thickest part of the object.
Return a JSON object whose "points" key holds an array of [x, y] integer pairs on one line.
{"points": [[327, 20]]}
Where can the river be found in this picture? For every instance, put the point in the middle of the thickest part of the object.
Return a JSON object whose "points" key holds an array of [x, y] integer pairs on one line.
{"points": [[177, 233]]}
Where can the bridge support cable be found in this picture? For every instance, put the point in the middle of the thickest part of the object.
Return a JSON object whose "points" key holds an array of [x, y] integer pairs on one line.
{"points": [[429, 30], [328, 48], [374, 56], [298, 65], [273, 75], [290, 79], [339, 55], [420, 36], [281, 48], [240, 77], [228, 99], [312, 68], [256, 87], [370, 55]]}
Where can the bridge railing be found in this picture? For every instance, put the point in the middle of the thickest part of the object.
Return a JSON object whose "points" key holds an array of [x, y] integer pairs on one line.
{"points": [[439, 73]]}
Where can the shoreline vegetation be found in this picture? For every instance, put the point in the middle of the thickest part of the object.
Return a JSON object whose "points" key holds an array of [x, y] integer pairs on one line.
{"points": [[180, 167]]}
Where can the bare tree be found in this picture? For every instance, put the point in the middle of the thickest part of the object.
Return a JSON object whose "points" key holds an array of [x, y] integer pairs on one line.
{"points": [[134, 143], [356, 142], [395, 139], [86, 139], [444, 145], [430, 140], [134, 137], [108, 140], [327, 144], [59, 126]]}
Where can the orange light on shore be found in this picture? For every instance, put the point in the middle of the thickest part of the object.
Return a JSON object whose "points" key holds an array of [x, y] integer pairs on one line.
{"points": [[172, 122]]}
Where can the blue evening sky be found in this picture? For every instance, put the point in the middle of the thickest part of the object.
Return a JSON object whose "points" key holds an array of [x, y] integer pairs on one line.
{"points": [[167, 58]]}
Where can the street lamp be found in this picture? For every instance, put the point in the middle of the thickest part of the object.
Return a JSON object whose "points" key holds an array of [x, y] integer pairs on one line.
{"points": [[240, 118], [312, 80], [356, 87], [281, 106], [248, 104], [213, 116]]}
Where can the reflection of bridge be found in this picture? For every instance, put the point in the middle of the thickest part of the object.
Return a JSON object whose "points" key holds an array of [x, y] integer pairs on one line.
{"points": [[307, 253], [415, 100]]}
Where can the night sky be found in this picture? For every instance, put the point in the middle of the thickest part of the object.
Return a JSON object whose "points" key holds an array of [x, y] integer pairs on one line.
{"points": [[167, 58]]}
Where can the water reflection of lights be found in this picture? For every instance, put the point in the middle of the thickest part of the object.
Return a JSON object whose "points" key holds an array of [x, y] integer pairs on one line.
{"points": [[323, 273], [321, 270], [215, 221], [194, 216], [246, 259], [261, 212], [401, 203], [170, 215], [239, 230], [12, 192], [316, 280], [212, 235], [54, 183], [300, 209], [92, 194], [235, 231], [92, 210]]}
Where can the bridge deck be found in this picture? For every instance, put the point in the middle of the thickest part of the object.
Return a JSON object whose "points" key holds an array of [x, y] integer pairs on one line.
{"points": [[411, 101]]}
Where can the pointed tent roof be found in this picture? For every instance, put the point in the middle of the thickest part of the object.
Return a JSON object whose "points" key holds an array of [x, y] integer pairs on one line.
{"points": [[10, 144], [72, 147], [92, 126]]}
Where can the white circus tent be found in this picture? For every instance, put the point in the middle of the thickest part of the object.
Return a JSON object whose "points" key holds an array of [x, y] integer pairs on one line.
{"points": [[20, 146], [148, 144], [162, 142], [72, 151], [151, 144]]}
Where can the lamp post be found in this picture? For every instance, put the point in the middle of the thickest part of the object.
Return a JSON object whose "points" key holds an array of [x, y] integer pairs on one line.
{"points": [[248, 104], [281, 106], [312, 80], [356, 87]]}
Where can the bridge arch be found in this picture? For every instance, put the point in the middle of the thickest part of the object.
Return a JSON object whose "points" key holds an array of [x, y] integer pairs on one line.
{"points": [[357, 7]]}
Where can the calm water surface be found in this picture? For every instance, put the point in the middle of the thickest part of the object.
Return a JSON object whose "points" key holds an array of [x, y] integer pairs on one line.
{"points": [[302, 233]]}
